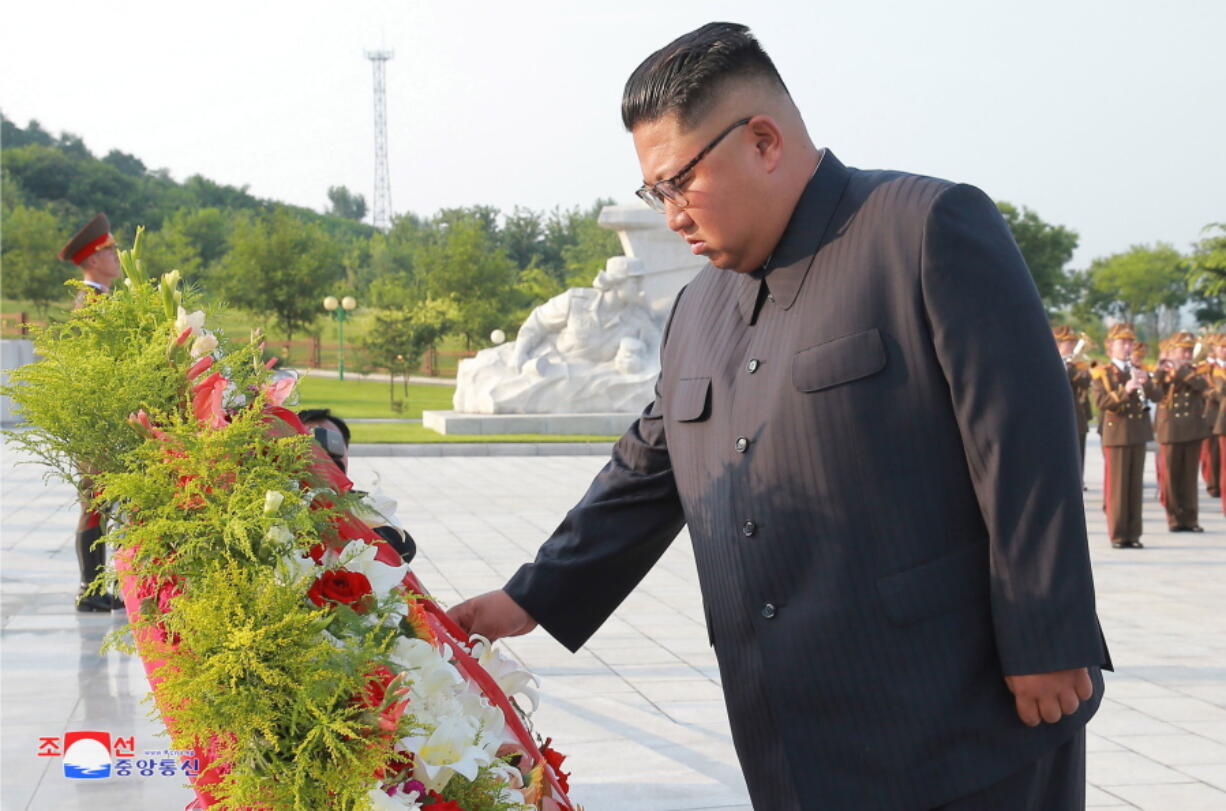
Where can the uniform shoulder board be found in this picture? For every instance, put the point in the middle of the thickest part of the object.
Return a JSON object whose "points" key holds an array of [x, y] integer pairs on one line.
{"points": [[1099, 373]]}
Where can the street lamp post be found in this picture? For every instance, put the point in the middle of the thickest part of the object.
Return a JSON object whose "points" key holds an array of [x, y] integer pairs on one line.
{"points": [[340, 309]]}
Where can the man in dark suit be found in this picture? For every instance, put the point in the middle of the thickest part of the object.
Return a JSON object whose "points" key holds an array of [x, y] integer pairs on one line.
{"points": [[93, 250], [864, 423]]}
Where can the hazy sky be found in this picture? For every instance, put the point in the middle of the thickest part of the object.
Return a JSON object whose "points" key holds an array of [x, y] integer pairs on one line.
{"points": [[1108, 116]]}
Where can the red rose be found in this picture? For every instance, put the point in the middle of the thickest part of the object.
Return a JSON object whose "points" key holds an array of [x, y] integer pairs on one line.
{"points": [[439, 804], [344, 587], [555, 759]]}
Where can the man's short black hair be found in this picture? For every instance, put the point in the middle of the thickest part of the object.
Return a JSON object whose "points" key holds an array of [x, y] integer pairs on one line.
{"points": [[684, 77], [317, 414]]}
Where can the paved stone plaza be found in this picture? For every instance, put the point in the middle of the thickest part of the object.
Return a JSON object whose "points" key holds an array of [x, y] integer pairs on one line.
{"points": [[639, 710]]}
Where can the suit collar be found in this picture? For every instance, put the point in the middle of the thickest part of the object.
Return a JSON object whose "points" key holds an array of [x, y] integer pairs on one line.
{"points": [[789, 264]]}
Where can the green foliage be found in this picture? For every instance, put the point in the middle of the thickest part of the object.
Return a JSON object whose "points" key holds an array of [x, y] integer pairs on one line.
{"points": [[346, 204], [28, 256], [464, 266], [1047, 249], [1207, 271], [1138, 283], [398, 338], [280, 265]]}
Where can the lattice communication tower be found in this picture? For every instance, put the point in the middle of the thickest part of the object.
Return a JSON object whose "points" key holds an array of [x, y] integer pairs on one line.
{"points": [[382, 208]]}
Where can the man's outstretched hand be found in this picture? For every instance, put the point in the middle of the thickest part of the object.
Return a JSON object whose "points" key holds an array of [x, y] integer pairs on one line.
{"points": [[493, 615], [1049, 696]]}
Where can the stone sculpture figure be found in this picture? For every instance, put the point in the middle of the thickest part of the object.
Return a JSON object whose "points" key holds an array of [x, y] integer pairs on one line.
{"points": [[588, 350]]}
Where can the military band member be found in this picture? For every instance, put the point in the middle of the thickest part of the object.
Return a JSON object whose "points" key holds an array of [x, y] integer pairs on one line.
{"points": [[1140, 353], [1079, 382], [1181, 429], [1219, 425], [93, 250], [1120, 390], [1210, 458], [1159, 458]]}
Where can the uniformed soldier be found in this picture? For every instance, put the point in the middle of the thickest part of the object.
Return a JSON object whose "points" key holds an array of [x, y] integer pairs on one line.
{"points": [[1140, 351], [1079, 381], [93, 250], [1120, 390], [1210, 458], [1219, 424], [1181, 429], [1160, 459]]}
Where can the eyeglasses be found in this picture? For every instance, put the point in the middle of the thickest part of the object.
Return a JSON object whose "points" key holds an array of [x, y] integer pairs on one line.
{"points": [[669, 190]]}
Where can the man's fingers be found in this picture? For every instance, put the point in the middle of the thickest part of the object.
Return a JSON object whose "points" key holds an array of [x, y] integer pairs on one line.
{"points": [[1068, 702], [1084, 687], [462, 615], [1049, 709], [1028, 711]]}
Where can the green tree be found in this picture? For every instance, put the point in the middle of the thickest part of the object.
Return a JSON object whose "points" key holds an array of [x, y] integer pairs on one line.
{"points": [[1047, 249], [1138, 284], [464, 265], [32, 237], [1207, 271], [193, 241], [398, 338], [283, 267], [346, 204]]}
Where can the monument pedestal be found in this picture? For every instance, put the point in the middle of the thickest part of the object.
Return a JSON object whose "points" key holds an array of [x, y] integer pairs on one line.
{"points": [[454, 422]]}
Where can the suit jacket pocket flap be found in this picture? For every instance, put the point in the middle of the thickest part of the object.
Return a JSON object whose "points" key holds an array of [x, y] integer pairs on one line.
{"points": [[692, 399], [936, 587], [837, 361]]}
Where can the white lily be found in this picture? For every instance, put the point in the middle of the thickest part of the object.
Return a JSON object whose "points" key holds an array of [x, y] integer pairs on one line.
{"points": [[194, 320], [449, 751], [381, 801], [359, 556], [506, 672], [413, 654], [490, 721]]}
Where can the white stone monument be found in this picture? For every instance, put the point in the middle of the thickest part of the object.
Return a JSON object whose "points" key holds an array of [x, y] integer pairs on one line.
{"points": [[585, 361]]}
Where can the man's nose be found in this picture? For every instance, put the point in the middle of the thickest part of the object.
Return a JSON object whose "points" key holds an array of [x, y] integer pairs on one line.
{"points": [[675, 217]]}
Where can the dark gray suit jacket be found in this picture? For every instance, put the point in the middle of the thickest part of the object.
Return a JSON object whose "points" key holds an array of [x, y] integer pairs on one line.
{"points": [[875, 451]]}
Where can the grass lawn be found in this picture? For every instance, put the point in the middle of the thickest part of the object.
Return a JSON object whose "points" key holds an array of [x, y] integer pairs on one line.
{"points": [[411, 432], [369, 398]]}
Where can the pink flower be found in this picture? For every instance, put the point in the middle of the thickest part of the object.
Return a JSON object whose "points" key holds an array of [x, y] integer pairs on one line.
{"points": [[199, 367], [275, 393], [206, 400]]}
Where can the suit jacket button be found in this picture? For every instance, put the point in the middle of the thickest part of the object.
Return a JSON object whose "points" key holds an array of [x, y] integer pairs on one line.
{"points": [[742, 444], [753, 365], [749, 528], [768, 610]]}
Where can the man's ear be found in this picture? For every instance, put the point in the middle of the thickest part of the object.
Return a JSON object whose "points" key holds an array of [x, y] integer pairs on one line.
{"points": [[767, 141]]}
